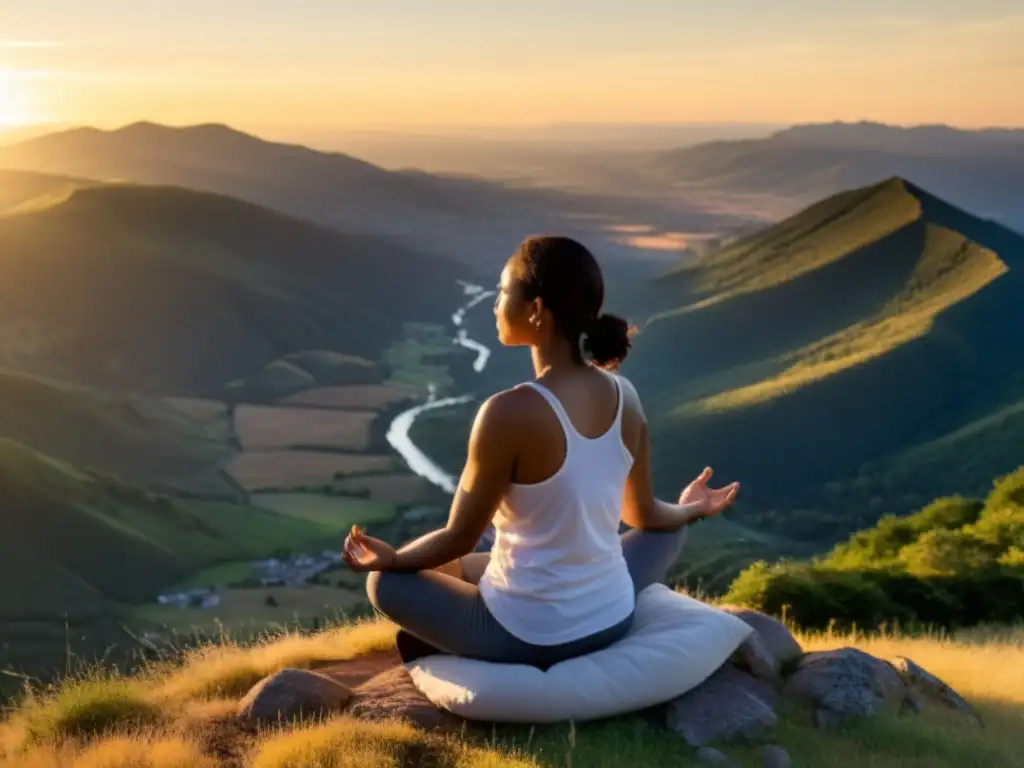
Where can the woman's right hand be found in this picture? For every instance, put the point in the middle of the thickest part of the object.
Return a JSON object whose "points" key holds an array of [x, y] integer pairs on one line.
{"points": [[705, 501]]}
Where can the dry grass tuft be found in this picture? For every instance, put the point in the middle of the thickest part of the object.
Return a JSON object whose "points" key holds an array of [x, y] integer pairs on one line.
{"points": [[229, 670]]}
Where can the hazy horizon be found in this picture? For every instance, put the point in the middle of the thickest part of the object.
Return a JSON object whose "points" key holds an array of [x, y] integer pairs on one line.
{"points": [[310, 67]]}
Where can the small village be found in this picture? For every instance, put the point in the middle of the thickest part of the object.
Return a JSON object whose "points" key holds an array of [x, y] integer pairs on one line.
{"points": [[270, 572]]}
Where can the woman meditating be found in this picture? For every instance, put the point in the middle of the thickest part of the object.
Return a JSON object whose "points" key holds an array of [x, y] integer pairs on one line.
{"points": [[556, 464]]}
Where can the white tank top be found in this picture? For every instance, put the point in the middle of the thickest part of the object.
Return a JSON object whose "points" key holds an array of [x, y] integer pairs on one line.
{"points": [[556, 572]]}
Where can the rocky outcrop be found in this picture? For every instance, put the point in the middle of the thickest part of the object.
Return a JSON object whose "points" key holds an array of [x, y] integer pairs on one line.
{"points": [[773, 756], [844, 683], [775, 637], [392, 695], [730, 706], [291, 694], [924, 685]]}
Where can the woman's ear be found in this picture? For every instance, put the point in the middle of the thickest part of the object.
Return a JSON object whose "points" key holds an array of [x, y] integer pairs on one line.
{"points": [[536, 312]]}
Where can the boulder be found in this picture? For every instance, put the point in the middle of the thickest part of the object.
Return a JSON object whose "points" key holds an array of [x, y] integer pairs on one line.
{"points": [[712, 756], [843, 684], [773, 756], [923, 684], [730, 706], [292, 693], [775, 637], [392, 695]]}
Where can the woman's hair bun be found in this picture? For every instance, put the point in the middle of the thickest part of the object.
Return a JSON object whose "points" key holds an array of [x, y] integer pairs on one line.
{"points": [[607, 340]]}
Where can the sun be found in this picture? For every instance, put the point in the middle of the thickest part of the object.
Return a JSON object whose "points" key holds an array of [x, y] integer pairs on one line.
{"points": [[13, 109]]}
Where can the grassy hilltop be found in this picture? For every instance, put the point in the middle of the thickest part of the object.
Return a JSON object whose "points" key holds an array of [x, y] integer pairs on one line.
{"points": [[178, 715]]}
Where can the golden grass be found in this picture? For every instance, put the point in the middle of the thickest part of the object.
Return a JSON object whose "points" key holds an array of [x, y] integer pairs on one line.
{"points": [[141, 750], [262, 427], [339, 743], [229, 670], [347, 743], [83, 707], [267, 470]]}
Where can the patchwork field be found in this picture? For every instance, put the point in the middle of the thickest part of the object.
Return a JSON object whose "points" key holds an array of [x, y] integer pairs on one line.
{"points": [[393, 488], [332, 512], [268, 470], [262, 427], [199, 409], [368, 396]]}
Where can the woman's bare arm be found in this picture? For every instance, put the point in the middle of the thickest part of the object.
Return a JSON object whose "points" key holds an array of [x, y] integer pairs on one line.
{"points": [[640, 508], [493, 446]]}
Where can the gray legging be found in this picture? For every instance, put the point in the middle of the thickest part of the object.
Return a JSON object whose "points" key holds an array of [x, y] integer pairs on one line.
{"points": [[438, 613]]}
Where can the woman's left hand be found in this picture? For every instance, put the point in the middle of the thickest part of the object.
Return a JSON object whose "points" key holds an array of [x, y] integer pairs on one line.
{"points": [[364, 553]]}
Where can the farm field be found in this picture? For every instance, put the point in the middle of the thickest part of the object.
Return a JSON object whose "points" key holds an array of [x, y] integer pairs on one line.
{"points": [[333, 513], [269, 470], [390, 488], [368, 396], [262, 427]]}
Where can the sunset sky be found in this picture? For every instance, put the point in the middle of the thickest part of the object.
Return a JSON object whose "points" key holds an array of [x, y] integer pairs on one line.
{"points": [[377, 63]]}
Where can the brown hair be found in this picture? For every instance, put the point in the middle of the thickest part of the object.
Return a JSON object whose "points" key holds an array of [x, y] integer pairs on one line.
{"points": [[566, 277]]}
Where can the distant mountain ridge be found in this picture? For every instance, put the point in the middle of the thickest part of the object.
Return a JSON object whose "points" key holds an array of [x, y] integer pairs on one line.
{"points": [[329, 187], [980, 170]]}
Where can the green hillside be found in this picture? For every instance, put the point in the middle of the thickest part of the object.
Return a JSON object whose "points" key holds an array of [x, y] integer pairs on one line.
{"points": [[170, 291], [79, 549], [142, 439], [92, 535], [870, 324]]}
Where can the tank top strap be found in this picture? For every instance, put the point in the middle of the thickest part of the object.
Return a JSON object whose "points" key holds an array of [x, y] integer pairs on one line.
{"points": [[619, 399], [556, 406]]}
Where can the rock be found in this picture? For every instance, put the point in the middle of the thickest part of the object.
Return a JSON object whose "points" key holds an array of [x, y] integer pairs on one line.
{"points": [[777, 640], [913, 703], [392, 695], [773, 756], [844, 683], [730, 706], [923, 683], [292, 693], [755, 658], [712, 756]]}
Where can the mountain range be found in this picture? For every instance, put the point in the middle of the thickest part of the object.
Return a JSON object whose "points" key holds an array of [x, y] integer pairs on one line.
{"points": [[980, 170]]}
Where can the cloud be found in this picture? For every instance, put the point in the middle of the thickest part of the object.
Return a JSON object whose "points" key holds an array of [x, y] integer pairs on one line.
{"points": [[9, 43]]}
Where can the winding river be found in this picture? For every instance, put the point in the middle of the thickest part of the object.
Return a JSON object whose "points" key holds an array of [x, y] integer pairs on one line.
{"points": [[398, 431]]}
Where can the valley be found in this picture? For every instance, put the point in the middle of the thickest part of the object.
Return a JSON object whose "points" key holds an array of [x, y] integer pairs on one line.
{"points": [[196, 384]]}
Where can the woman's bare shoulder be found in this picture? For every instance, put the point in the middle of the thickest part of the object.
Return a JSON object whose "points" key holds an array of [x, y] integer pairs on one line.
{"points": [[630, 397], [511, 410]]}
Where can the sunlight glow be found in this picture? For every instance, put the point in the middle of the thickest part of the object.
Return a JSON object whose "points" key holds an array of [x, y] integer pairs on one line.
{"points": [[13, 107]]}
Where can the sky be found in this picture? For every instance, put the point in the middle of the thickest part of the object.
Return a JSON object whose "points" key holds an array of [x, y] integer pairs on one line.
{"points": [[492, 63]]}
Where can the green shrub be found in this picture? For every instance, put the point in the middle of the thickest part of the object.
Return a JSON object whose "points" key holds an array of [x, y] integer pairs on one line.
{"points": [[957, 562]]}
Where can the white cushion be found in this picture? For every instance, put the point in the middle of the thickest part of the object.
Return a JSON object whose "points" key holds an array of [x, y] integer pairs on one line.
{"points": [[675, 644]]}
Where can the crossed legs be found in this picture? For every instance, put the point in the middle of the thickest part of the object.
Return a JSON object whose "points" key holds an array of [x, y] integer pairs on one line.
{"points": [[441, 610]]}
